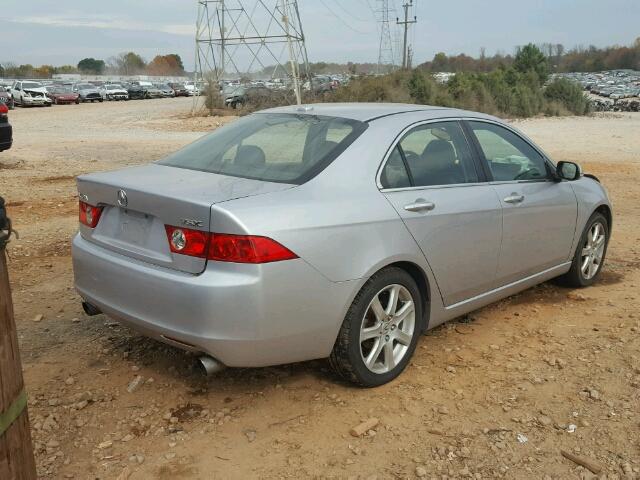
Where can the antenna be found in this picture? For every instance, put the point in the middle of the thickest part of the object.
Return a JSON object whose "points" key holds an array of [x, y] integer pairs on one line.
{"points": [[237, 39]]}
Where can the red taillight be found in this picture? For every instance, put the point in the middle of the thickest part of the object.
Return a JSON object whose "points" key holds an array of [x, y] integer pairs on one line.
{"points": [[3, 109], [247, 249], [89, 215], [187, 242], [226, 248]]}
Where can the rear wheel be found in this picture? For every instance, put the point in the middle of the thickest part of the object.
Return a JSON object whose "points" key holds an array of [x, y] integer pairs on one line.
{"points": [[590, 254], [380, 331]]}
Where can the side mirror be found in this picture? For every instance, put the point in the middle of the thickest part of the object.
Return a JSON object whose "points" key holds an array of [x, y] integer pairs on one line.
{"points": [[568, 171]]}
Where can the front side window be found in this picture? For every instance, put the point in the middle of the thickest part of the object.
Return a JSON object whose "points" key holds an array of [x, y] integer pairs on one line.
{"points": [[438, 154], [509, 156], [274, 147]]}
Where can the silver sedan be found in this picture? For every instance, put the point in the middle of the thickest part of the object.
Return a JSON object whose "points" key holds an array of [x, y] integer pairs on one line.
{"points": [[340, 230]]}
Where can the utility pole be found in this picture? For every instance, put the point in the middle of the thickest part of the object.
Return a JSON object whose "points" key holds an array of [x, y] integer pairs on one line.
{"points": [[406, 23], [16, 450]]}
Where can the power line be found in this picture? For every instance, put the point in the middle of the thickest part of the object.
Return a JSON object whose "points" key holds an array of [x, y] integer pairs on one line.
{"points": [[334, 14]]}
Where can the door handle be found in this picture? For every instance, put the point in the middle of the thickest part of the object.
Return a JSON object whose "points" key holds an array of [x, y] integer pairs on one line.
{"points": [[420, 206], [514, 198]]}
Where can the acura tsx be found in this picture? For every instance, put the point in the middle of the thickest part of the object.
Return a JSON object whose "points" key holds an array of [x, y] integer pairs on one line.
{"points": [[333, 230]]}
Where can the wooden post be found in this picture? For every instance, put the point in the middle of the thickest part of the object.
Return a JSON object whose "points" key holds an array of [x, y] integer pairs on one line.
{"points": [[16, 450]]}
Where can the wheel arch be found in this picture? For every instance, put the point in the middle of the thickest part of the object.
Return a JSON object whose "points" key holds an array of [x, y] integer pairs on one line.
{"points": [[420, 277], [605, 210]]}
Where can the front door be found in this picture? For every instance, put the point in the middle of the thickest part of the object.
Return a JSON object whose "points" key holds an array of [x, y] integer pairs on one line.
{"points": [[432, 181], [539, 213]]}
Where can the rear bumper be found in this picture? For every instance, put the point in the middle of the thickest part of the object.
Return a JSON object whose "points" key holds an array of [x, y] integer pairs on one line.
{"points": [[243, 315]]}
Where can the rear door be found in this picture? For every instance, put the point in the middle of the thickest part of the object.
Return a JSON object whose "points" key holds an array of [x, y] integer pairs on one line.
{"points": [[539, 213], [432, 180]]}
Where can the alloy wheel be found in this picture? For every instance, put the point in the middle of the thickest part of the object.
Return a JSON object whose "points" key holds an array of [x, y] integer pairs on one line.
{"points": [[387, 328], [593, 251]]}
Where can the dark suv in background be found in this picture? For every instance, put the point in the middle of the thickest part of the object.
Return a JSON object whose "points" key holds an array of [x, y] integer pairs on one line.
{"points": [[6, 132]]}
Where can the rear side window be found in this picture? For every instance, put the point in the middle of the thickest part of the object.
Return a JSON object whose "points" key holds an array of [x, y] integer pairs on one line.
{"points": [[509, 156], [394, 174], [273, 147], [438, 154]]}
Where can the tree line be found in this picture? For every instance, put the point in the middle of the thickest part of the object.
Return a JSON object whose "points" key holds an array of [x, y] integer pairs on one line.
{"points": [[578, 59], [126, 63], [520, 89]]}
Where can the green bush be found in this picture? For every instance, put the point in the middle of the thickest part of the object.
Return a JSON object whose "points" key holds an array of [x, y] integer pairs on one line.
{"points": [[568, 94]]}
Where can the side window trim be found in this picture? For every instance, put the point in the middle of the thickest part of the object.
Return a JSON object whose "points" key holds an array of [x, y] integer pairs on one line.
{"points": [[402, 135], [478, 154], [405, 163], [485, 162]]}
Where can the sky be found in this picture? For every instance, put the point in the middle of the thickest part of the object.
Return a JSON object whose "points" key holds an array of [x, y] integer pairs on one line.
{"points": [[65, 31]]}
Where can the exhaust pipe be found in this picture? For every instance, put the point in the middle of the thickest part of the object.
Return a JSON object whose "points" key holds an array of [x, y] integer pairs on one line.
{"points": [[90, 309], [211, 365]]}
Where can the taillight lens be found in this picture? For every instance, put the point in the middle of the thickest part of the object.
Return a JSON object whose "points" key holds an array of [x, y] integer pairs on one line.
{"points": [[247, 249], [3, 108], [89, 215], [226, 248], [187, 242]]}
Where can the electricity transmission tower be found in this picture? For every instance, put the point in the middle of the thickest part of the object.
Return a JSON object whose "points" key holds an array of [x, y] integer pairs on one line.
{"points": [[251, 38], [386, 59], [406, 23]]}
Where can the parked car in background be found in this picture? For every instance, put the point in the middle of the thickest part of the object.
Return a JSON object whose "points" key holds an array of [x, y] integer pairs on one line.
{"points": [[238, 95], [166, 90], [114, 92], [6, 98], [60, 94], [192, 89], [340, 230], [28, 93], [135, 92], [150, 91], [6, 131], [179, 89], [87, 92], [320, 84]]}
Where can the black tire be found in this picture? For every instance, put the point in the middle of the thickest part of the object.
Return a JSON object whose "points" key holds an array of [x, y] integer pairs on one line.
{"points": [[77, 101], [100, 100], [575, 277], [346, 359]]}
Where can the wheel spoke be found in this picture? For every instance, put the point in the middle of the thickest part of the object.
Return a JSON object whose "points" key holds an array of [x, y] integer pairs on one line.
{"points": [[374, 353], [406, 310], [585, 265], [370, 332], [378, 311], [403, 337], [389, 360], [392, 305], [586, 251]]}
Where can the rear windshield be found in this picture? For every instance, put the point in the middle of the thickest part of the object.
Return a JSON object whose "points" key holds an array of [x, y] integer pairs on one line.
{"points": [[273, 147]]}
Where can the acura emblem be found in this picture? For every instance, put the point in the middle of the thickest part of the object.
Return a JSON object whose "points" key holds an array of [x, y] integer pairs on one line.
{"points": [[122, 198]]}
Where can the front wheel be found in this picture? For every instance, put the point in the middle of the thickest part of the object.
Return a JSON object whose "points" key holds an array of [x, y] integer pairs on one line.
{"points": [[590, 253], [380, 331]]}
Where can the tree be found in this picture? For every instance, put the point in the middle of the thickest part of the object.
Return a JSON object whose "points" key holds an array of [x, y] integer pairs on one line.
{"points": [[530, 58], [166, 65], [127, 63], [91, 65]]}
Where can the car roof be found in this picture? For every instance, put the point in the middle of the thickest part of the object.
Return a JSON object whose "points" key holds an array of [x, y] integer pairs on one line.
{"points": [[366, 112]]}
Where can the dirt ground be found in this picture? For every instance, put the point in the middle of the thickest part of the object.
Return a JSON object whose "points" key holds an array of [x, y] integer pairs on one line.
{"points": [[497, 394]]}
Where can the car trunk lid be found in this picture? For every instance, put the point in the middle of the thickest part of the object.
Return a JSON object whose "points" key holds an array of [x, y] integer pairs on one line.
{"points": [[138, 202]]}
